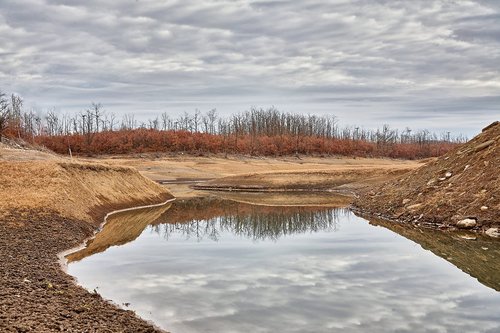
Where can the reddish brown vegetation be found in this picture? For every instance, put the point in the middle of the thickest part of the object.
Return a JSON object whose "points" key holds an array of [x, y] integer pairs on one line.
{"points": [[149, 140]]}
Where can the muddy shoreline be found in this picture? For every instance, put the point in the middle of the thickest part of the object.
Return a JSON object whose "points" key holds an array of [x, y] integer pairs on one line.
{"points": [[36, 295]]}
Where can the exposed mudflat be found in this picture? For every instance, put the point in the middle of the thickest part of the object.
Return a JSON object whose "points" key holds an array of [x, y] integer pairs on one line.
{"points": [[36, 295]]}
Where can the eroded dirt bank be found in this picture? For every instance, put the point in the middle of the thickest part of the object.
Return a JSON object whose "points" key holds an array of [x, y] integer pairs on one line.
{"points": [[47, 207], [458, 190]]}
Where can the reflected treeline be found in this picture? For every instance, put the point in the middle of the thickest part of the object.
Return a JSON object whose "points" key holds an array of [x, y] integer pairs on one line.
{"points": [[213, 217], [206, 218]]}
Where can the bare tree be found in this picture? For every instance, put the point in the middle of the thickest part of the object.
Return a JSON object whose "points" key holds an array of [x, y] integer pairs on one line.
{"points": [[4, 114]]}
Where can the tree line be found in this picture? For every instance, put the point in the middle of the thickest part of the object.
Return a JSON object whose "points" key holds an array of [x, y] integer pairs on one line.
{"points": [[257, 131]]}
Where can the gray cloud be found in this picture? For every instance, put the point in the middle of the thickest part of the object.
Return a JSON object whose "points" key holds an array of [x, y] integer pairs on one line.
{"points": [[369, 62], [358, 278]]}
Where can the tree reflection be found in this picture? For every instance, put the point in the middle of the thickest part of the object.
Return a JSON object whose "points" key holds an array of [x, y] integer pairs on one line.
{"points": [[253, 223]]}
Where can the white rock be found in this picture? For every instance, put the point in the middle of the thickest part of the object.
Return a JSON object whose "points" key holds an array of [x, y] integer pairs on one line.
{"points": [[493, 232], [468, 237], [448, 174], [484, 208], [466, 223]]}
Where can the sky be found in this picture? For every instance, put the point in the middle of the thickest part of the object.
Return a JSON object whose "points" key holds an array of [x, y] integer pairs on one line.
{"points": [[431, 64]]}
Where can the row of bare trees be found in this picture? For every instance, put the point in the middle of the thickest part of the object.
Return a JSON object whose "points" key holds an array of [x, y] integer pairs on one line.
{"points": [[252, 124]]}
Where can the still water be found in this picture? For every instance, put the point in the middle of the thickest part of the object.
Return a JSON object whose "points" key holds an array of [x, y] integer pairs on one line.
{"points": [[228, 267]]}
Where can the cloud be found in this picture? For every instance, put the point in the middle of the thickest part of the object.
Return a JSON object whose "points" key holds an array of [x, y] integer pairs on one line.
{"points": [[357, 278], [363, 60]]}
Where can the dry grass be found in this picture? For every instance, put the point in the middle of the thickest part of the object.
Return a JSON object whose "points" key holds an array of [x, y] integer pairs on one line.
{"points": [[77, 188], [72, 189]]}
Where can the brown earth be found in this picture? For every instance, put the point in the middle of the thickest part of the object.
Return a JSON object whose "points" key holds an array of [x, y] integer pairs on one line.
{"points": [[49, 204], [36, 295], [335, 180], [463, 184], [181, 174]]}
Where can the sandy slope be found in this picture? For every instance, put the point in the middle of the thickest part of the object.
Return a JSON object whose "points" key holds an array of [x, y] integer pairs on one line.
{"points": [[49, 204]]}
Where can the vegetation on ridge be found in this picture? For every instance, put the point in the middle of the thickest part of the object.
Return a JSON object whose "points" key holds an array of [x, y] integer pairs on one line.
{"points": [[263, 132]]}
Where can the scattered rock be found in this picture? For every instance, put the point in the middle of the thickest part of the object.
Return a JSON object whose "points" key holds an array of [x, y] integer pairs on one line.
{"points": [[483, 208], [448, 174], [466, 223], [466, 167], [405, 201], [493, 232]]}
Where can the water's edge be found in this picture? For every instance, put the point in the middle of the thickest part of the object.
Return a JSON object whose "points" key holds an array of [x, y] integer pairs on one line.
{"points": [[63, 262]]}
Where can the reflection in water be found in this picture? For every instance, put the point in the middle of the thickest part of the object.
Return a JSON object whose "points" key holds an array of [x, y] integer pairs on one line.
{"points": [[120, 228], [256, 225], [476, 255], [292, 269]]}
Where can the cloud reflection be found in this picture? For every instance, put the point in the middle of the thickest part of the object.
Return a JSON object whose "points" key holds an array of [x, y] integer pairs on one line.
{"points": [[354, 278]]}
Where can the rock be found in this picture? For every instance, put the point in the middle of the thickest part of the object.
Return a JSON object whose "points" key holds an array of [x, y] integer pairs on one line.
{"points": [[466, 167], [468, 237], [415, 206], [493, 124], [442, 178], [405, 201], [493, 232], [466, 223], [484, 145], [483, 208], [448, 174]]}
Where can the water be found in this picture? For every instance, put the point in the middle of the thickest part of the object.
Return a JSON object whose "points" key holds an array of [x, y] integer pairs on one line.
{"points": [[228, 267]]}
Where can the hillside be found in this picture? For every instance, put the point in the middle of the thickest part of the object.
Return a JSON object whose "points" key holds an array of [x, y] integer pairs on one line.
{"points": [[49, 204], [458, 190]]}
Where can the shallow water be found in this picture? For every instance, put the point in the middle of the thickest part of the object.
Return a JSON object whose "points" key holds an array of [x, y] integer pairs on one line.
{"points": [[243, 268]]}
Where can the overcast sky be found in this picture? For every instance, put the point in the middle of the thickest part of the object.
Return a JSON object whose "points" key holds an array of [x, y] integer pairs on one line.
{"points": [[421, 63]]}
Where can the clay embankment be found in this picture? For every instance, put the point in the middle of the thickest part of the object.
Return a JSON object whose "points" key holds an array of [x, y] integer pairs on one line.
{"points": [[47, 207], [458, 190]]}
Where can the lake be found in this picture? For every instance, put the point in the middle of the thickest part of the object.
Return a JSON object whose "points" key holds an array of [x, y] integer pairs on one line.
{"points": [[209, 265]]}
